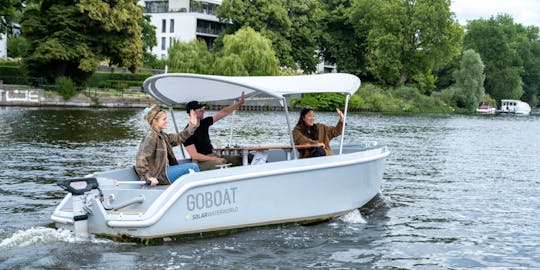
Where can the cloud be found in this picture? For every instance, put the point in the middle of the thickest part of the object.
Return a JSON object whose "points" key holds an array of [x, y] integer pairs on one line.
{"points": [[526, 12]]}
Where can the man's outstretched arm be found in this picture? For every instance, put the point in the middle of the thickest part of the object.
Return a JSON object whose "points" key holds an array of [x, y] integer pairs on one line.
{"points": [[229, 109]]}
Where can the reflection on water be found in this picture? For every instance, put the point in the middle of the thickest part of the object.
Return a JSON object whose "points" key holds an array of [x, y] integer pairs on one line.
{"points": [[66, 126], [458, 192]]}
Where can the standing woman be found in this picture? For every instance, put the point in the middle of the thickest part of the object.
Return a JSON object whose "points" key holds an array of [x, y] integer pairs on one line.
{"points": [[318, 135], [155, 161]]}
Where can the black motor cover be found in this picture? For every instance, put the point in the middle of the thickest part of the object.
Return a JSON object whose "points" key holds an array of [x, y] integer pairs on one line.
{"points": [[78, 186]]}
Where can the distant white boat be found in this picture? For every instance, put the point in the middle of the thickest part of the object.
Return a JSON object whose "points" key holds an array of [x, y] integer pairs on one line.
{"points": [[485, 108], [515, 107]]}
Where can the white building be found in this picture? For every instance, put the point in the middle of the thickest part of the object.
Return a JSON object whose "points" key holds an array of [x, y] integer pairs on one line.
{"points": [[3, 46], [182, 20], [186, 20]]}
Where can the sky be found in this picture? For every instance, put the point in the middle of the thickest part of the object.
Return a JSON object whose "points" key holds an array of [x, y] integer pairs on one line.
{"points": [[526, 12]]}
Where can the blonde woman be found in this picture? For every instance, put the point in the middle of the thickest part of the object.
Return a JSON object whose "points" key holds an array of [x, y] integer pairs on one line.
{"points": [[155, 161]]}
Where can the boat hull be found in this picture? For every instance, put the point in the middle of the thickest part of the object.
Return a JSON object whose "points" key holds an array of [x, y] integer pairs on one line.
{"points": [[237, 197]]}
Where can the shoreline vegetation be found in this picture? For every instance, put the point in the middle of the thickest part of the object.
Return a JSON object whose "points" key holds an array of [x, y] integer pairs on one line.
{"points": [[370, 98], [418, 61]]}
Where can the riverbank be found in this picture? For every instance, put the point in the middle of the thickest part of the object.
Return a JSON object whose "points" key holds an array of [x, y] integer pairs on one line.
{"points": [[17, 95]]}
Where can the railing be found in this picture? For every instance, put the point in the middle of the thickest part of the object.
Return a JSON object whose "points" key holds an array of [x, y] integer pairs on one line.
{"points": [[208, 30]]}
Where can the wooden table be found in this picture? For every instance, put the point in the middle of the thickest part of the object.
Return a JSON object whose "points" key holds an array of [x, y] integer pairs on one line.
{"points": [[245, 150]]}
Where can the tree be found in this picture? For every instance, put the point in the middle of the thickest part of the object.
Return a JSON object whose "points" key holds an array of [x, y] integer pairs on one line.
{"points": [[306, 33], [292, 26], [70, 38], [470, 80], [190, 57], [230, 65], [17, 46], [339, 43], [148, 39], [495, 40], [529, 50], [247, 53], [406, 40], [8, 11], [269, 17]]}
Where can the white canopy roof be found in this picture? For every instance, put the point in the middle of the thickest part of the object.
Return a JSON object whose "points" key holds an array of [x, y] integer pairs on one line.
{"points": [[173, 88]]}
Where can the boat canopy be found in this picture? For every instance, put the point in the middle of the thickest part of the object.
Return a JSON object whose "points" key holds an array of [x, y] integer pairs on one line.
{"points": [[175, 88]]}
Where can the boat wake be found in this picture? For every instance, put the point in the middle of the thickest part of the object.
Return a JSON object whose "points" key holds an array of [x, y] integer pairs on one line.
{"points": [[353, 217], [40, 235]]}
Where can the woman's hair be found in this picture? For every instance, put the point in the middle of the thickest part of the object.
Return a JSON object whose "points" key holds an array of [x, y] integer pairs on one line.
{"points": [[310, 132], [151, 113]]}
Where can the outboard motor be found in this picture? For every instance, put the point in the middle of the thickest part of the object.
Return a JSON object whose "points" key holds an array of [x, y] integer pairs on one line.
{"points": [[78, 187]]}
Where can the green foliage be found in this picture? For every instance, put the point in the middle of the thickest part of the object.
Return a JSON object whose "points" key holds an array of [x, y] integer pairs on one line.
{"points": [[469, 81], [404, 41], [148, 41], [497, 41], [401, 99], [230, 65], [70, 38], [9, 63], [11, 73], [529, 50], [66, 87], [373, 98], [9, 70], [9, 10], [151, 61], [292, 27], [247, 53], [190, 57], [17, 46], [448, 96], [356, 102], [339, 44], [116, 80], [305, 33], [322, 101]]}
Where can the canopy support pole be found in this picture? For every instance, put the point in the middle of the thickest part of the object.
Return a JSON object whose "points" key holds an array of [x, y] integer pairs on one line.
{"points": [[347, 98], [176, 128], [286, 109], [231, 128]]}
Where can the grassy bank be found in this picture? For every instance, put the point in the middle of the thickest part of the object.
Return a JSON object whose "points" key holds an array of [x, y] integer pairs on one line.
{"points": [[373, 98]]}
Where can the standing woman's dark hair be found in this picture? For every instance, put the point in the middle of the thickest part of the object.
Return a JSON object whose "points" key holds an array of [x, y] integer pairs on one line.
{"points": [[308, 131]]}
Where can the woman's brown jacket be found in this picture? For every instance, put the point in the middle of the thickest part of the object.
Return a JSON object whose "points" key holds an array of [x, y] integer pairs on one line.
{"points": [[156, 154], [325, 134]]}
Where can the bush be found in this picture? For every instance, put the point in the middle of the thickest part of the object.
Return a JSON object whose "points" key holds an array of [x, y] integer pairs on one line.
{"points": [[402, 99], [11, 73], [116, 80], [66, 87], [17, 46]]}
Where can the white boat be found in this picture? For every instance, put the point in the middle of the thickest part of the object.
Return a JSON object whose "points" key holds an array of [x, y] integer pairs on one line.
{"points": [[515, 107], [284, 189]]}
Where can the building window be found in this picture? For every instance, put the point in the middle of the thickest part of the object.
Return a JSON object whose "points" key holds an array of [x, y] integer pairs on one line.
{"points": [[171, 42], [210, 27], [163, 43], [156, 6], [163, 26], [171, 26]]}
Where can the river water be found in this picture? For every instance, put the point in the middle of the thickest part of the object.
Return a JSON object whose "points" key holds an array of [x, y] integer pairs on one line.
{"points": [[459, 192]]}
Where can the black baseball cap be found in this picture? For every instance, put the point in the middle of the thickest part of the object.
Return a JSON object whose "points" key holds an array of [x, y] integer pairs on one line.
{"points": [[193, 105]]}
